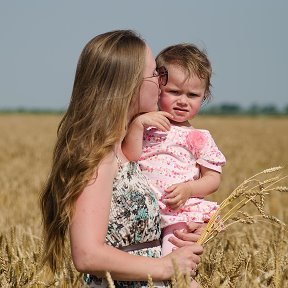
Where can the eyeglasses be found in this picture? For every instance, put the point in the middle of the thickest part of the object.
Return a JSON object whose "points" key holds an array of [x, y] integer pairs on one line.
{"points": [[162, 73]]}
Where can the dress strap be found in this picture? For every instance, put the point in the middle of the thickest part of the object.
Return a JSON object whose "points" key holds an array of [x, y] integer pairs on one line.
{"points": [[119, 161]]}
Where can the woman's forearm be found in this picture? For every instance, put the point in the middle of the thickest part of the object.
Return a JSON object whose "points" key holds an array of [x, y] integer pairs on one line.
{"points": [[122, 265]]}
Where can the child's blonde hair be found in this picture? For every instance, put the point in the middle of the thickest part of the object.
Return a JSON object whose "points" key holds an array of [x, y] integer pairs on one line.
{"points": [[189, 58], [107, 84]]}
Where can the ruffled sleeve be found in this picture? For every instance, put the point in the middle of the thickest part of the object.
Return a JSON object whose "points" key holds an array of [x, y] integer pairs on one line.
{"points": [[205, 151]]}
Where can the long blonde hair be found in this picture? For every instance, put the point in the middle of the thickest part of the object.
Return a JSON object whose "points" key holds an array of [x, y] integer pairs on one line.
{"points": [[107, 83]]}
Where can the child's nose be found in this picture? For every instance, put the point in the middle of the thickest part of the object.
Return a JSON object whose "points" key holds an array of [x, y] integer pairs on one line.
{"points": [[182, 99]]}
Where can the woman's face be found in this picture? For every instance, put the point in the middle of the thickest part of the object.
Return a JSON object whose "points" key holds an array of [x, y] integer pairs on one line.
{"points": [[149, 91]]}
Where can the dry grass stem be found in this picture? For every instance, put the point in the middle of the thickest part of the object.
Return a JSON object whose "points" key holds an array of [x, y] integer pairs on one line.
{"points": [[246, 192], [109, 280]]}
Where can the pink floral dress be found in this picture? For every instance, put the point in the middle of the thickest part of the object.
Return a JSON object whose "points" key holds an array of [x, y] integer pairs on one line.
{"points": [[173, 157]]}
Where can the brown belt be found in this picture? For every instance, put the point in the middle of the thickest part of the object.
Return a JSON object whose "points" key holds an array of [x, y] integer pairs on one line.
{"points": [[140, 246]]}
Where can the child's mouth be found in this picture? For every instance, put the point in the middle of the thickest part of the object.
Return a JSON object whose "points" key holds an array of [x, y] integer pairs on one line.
{"points": [[180, 109]]}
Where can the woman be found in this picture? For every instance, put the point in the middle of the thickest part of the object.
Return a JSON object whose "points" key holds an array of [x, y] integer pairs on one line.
{"points": [[93, 192]]}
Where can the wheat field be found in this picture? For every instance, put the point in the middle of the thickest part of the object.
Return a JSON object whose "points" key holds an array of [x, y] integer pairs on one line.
{"points": [[243, 255]]}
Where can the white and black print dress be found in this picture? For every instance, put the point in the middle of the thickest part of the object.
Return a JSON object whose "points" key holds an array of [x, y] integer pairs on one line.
{"points": [[134, 218]]}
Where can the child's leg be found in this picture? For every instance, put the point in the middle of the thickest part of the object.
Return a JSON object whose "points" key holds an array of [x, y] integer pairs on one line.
{"points": [[167, 246], [167, 232]]}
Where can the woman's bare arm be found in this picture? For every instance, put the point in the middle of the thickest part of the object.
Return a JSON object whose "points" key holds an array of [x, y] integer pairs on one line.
{"points": [[88, 232]]}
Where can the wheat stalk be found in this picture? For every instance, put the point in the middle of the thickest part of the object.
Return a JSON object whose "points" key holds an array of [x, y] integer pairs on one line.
{"points": [[109, 280], [252, 190]]}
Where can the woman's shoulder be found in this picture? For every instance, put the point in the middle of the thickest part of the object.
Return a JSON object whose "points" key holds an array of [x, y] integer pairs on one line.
{"points": [[108, 166]]}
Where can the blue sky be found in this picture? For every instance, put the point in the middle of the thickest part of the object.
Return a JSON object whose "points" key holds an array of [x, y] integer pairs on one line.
{"points": [[247, 43]]}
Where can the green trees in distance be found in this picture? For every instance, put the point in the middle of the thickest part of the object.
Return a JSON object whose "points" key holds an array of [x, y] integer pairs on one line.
{"points": [[207, 109], [235, 109]]}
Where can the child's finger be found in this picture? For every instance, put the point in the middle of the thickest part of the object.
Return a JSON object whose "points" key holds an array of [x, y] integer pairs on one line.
{"points": [[164, 124], [171, 195], [166, 114], [173, 201], [170, 189], [161, 123], [175, 206]]}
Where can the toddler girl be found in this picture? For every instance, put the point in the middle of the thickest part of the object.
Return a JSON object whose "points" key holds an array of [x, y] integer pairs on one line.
{"points": [[182, 163]]}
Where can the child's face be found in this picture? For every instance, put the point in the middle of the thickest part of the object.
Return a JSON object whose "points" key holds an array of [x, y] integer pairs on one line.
{"points": [[181, 97]]}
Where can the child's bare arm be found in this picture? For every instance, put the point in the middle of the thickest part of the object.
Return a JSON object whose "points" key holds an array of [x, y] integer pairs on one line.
{"points": [[179, 193], [133, 142], [207, 184]]}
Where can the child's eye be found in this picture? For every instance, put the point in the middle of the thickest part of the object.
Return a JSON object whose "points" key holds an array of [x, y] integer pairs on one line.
{"points": [[174, 92], [191, 95]]}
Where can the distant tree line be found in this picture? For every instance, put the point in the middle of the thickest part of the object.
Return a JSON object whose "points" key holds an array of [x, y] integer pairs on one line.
{"points": [[207, 109], [31, 110], [235, 109]]}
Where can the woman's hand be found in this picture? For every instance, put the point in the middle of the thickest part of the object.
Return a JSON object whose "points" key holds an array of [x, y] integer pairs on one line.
{"points": [[186, 258], [188, 236]]}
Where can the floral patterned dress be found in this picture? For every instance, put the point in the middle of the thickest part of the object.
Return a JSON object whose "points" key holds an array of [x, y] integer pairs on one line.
{"points": [[174, 157], [134, 218]]}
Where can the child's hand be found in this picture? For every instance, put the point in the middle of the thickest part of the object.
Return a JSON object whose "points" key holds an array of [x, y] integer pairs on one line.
{"points": [[177, 195], [158, 119]]}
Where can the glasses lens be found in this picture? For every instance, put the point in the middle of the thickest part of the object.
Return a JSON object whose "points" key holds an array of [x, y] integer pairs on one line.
{"points": [[163, 75]]}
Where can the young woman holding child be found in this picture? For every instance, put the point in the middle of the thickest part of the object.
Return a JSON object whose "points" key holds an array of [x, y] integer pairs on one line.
{"points": [[94, 194]]}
